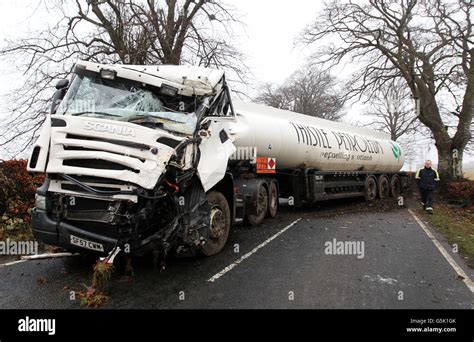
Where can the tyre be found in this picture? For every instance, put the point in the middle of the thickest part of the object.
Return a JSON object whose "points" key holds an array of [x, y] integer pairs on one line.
{"points": [[219, 227], [370, 189], [383, 187], [262, 207], [395, 186], [273, 199]]}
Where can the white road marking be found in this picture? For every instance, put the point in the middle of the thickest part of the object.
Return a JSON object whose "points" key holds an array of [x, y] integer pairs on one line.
{"points": [[245, 256], [48, 256], [381, 279], [38, 257], [466, 279], [12, 263]]}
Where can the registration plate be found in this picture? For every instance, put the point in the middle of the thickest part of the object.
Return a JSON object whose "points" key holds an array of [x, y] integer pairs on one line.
{"points": [[95, 246]]}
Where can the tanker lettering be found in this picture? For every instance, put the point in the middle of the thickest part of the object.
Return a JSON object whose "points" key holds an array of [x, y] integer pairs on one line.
{"points": [[345, 156], [339, 155], [311, 136], [356, 143]]}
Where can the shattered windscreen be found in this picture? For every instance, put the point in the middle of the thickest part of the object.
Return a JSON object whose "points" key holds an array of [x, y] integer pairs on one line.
{"points": [[130, 101]]}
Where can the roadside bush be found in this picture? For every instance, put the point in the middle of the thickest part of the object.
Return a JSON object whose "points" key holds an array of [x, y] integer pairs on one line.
{"points": [[462, 190], [17, 195]]}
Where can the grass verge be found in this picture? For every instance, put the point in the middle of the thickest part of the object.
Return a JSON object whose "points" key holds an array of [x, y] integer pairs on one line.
{"points": [[457, 225]]}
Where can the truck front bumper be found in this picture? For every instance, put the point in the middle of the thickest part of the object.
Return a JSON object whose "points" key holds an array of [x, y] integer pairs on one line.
{"points": [[67, 236]]}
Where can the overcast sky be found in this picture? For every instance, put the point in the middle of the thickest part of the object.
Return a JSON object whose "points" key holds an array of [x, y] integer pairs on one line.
{"points": [[267, 39]]}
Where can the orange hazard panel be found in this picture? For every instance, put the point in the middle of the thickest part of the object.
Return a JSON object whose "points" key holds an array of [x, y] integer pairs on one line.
{"points": [[266, 165]]}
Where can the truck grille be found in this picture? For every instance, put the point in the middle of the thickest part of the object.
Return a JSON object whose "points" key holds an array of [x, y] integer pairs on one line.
{"points": [[97, 164], [112, 141], [80, 152]]}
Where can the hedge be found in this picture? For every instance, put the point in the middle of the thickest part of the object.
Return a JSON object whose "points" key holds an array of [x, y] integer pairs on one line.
{"points": [[17, 193]]}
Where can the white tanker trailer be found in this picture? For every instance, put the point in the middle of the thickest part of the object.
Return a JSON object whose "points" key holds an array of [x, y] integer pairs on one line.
{"points": [[161, 159], [302, 141]]}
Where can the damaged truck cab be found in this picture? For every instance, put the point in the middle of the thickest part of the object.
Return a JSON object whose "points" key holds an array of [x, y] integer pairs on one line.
{"points": [[136, 157]]}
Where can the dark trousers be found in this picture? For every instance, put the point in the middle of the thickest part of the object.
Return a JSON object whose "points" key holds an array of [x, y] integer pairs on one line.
{"points": [[427, 197]]}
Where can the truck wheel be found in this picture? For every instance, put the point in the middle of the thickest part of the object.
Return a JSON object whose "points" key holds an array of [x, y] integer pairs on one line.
{"points": [[273, 199], [395, 186], [262, 207], [383, 187], [370, 188], [219, 227]]}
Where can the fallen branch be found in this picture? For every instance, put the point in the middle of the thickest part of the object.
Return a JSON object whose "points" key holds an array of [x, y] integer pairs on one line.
{"points": [[48, 256]]}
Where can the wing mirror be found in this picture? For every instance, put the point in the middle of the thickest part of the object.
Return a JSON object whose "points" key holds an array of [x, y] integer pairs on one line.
{"points": [[61, 89], [61, 84]]}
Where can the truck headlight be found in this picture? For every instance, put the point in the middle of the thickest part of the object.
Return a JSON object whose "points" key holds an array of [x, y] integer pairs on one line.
{"points": [[40, 202]]}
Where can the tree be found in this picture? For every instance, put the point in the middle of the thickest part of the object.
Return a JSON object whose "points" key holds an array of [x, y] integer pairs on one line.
{"points": [[114, 31], [427, 43], [308, 91], [392, 110]]}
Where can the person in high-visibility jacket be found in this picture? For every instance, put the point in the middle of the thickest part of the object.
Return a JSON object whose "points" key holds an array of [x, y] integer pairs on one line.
{"points": [[427, 178]]}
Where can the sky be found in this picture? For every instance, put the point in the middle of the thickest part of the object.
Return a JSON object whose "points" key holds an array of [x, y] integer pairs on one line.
{"points": [[272, 27], [267, 38]]}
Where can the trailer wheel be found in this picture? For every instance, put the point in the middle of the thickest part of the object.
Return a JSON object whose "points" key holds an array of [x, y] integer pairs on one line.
{"points": [[395, 186], [273, 199], [370, 188], [262, 206], [383, 187], [219, 227]]}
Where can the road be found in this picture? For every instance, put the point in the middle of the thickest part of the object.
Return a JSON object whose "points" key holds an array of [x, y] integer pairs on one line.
{"points": [[283, 263]]}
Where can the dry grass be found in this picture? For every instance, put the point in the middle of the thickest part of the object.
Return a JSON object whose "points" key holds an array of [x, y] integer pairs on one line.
{"points": [[94, 296], [457, 225], [469, 174]]}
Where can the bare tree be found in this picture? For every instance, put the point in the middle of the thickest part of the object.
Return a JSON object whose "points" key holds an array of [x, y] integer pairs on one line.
{"points": [[308, 91], [427, 43], [113, 31], [392, 110]]}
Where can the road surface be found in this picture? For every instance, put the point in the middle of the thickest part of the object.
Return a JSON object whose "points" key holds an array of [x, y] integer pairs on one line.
{"points": [[284, 263]]}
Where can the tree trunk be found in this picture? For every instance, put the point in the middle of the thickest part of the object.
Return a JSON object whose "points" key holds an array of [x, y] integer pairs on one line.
{"points": [[430, 116], [450, 159], [445, 162]]}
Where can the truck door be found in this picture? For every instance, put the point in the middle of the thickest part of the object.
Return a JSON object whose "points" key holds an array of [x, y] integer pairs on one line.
{"points": [[216, 146]]}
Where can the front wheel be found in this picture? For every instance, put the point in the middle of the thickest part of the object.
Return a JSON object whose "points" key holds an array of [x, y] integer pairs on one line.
{"points": [[219, 226]]}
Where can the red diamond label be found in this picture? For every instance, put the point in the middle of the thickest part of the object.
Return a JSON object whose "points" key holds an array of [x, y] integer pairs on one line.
{"points": [[271, 163]]}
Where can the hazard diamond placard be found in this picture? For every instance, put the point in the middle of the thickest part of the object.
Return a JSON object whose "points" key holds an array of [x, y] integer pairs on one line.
{"points": [[266, 165]]}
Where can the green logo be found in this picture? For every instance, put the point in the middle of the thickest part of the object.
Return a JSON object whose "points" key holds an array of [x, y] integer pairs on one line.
{"points": [[397, 152]]}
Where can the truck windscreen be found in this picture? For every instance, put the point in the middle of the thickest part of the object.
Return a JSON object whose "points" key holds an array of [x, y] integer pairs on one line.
{"points": [[130, 101]]}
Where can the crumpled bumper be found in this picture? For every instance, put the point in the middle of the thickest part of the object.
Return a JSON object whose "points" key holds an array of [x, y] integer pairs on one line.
{"points": [[51, 232]]}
